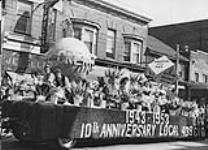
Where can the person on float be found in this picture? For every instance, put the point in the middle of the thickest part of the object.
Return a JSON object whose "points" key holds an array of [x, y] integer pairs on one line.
{"points": [[33, 84], [101, 90], [49, 77], [34, 77], [147, 98], [6, 86], [62, 84], [124, 94], [97, 93], [23, 88]]}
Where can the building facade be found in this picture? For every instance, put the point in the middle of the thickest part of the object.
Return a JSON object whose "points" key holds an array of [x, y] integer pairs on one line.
{"points": [[199, 75], [199, 67], [115, 35], [22, 33], [193, 40]]}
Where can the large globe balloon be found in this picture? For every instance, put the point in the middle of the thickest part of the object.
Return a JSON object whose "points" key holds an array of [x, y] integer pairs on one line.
{"points": [[71, 55]]}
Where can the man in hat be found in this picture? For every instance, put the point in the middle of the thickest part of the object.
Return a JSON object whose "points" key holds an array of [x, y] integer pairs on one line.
{"points": [[49, 76]]}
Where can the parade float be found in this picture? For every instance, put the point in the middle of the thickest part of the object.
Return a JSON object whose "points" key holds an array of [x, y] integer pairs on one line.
{"points": [[62, 124]]}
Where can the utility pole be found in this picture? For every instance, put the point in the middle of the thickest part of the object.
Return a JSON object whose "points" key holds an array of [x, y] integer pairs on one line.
{"points": [[177, 67]]}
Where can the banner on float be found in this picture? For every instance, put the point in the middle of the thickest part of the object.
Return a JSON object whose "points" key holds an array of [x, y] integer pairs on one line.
{"points": [[51, 121], [161, 64], [140, 125]]}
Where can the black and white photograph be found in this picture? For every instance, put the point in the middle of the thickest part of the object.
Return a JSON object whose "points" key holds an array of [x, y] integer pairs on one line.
{"points": [[104, 75]]}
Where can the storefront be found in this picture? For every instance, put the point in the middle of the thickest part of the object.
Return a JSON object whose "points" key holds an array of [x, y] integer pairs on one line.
{"points": [[199, 92]]}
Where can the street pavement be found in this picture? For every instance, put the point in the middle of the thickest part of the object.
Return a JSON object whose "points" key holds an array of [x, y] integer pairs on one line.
{"points": [[13, 144]]}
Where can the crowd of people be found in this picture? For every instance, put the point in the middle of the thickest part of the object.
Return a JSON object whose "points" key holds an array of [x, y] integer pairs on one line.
{"points": [[114, 90]]}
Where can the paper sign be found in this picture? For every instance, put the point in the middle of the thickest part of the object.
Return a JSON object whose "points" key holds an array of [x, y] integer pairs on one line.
{"points": [[161, 64]]}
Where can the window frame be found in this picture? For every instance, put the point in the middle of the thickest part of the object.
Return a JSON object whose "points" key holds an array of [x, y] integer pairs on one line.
{"points": [[108, 54], [205, 78], [84, 25], [94, 38], [29, 17], [127, 53], [196, 77], [131, 39], [53, 21]]}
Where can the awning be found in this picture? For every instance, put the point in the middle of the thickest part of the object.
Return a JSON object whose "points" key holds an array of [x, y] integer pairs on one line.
{"points": [[199, 86], [19, 77]]}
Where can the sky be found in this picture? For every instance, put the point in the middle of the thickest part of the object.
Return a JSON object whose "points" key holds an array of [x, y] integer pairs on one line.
{"points": [[164, 12]]}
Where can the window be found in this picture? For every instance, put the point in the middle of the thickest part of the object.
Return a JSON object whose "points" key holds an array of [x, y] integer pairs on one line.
{"points": [[110, 48], [181, 71], [205, 78], [23, 24], [196, 77], [87, 32], [88, 36], [136, 53], [88, 39], [127, 51], [77, 33], [133, 50], [52, 25]]}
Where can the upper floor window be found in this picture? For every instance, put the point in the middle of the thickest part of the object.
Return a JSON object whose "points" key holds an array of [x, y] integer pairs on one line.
{"points": [[78, 33], [52, 24], [87, 32], [23, 24], [110, 47], [88, 39], [136, 51], [127, 51], [197, 77], [182, 71], [133, 50], [205, 78]]}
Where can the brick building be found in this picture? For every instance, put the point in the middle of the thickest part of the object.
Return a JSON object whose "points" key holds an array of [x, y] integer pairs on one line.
{"points": [[199, 60], [22, 31], [193, 40], [199, 75], [116, 36]]}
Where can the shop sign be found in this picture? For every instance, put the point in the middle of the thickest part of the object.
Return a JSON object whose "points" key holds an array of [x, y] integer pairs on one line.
{"points": [[161, 64]]}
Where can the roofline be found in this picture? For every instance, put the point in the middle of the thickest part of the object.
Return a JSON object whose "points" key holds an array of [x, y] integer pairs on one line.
{"points": [[154, 52], [106, 62], [176, 24], [121, 10], [199, 51]]}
